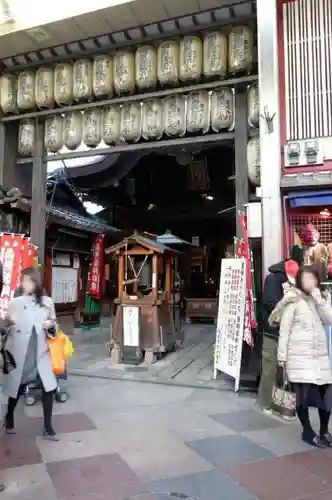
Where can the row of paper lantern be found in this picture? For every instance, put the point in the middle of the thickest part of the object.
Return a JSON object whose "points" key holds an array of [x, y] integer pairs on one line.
{"points": [[174, 116], [172, 62]]}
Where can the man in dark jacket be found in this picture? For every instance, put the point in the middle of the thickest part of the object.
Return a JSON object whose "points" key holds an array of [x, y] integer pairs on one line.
{"points": [[281, 277]]}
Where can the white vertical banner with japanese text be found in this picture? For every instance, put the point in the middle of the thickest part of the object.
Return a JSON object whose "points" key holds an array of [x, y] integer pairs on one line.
{"points": [[229, 335], [96, 268]]}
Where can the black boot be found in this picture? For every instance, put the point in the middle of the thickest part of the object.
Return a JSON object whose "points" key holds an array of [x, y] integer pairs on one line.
{"points": [[324, 418], [47, 400], [9, 418], [308, 434]]}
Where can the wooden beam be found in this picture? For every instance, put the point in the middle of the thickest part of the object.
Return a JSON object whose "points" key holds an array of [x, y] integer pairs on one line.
{"points": [[38, 206], [241, 169]]}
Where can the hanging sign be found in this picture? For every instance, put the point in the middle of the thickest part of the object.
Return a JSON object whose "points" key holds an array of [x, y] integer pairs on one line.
{"points": [[96, 267], [131, 326], [10, 256], [229, 336]]}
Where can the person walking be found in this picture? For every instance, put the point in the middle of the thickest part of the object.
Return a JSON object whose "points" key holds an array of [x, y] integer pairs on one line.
{"points": [[279, 281], [303, 351], [32, 319]]}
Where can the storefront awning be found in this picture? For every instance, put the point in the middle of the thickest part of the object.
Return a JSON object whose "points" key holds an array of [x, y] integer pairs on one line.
{"points": [[310, 199]]}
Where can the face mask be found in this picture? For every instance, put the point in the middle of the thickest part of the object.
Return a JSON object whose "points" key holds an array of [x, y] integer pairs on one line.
{"points": [[291, 279]]}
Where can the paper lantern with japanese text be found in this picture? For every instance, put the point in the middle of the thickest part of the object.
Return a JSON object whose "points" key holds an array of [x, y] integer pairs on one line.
{"points": [[146, 67], [111, 125], [26, 137], [8, 93], [53, 133], [152, 122], [198, 112], [92, 124], [131, 121], [124, 72], [45, 87], [82, 80], [103, 76], [168, 60], [26, 97], [222, 109], [72, 130], [240, 50], [215, 54], [253, 105], [174, 114], [254, 161], [191, 58], [63, 84]]}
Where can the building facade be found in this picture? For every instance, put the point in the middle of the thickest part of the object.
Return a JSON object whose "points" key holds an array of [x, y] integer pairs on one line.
{"points": [[305, 83]]}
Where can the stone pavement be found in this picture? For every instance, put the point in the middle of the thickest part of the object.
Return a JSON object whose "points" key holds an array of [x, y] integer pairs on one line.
{"points": [[137, 441], [190, 365]]}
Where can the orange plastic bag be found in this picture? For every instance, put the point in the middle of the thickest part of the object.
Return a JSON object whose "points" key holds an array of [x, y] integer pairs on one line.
{"points": [[57, 352]]}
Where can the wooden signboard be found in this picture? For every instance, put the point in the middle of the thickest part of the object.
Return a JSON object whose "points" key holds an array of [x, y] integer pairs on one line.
{"points": [[229, 336]]}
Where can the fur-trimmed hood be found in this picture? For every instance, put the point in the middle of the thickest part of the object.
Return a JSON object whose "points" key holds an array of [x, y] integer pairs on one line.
{"points": [[292, 296]]}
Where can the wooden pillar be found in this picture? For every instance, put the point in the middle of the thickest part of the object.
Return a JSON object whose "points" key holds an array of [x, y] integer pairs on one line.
{"points": [[8, 154], [155, 278], [241, 169], [38, 207], [120, 274]]}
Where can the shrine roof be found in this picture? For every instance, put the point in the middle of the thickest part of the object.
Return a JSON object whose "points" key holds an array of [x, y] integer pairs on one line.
{"points": [[138, 239], [66, 216], [81, 222]]}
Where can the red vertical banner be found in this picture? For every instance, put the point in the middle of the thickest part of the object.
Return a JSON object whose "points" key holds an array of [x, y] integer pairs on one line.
{"points": [[10, 245], [243, 251], [96, 268]]}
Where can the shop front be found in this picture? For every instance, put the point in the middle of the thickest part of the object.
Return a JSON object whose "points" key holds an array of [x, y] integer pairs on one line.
{"points": [[193, 89], [306, 128]]}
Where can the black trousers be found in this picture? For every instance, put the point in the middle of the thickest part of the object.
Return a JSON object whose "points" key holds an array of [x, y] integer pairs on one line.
{"points": [[47, 402]]}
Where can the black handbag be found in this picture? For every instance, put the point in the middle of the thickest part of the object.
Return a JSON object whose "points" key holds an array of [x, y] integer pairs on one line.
{"points": [[8, 361]]}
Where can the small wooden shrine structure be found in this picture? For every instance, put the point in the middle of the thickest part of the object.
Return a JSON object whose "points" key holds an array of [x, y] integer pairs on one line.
{"points": [[146, 323]]}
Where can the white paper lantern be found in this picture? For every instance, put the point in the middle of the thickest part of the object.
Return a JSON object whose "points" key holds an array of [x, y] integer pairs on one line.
{"points": [[131, 121], [191, 58], [26, 137], [198, 112], [174, 114], [124, 72], [63, 84], [215, 54], [111, 125], [103, 76], [146, 67], [152, 122], [253, 105], [72, 130], [82, 80], [92, 124], [26, 97], [45, 88], [240, 49], [53, 133], [222, 109], [168, 60], [254, 161], [8, 93]]}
